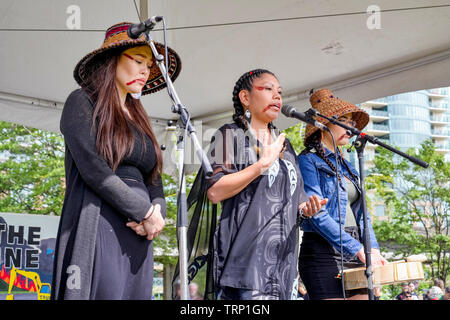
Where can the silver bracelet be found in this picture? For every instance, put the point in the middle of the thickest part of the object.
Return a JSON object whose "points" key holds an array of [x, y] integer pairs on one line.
{"points": [[301, 214], [153, 211]]}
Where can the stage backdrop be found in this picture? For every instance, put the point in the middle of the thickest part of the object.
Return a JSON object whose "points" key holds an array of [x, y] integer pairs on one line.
{"points": [[27, 246], [27, 243]]}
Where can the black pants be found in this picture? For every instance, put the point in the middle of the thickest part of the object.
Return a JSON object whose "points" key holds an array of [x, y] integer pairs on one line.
{"points": [[319, 267]]}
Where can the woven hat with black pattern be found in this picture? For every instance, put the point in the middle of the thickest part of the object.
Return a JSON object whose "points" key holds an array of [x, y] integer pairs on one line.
{"points": [[326, 103], [117, 40]]}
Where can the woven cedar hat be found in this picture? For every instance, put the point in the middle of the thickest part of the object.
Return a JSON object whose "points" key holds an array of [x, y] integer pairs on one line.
{"points": [[326, 103], [117, 40]]}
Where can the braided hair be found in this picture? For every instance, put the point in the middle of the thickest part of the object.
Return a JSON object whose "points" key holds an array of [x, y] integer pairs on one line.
{"points": [[245, 82], [314, 142]]}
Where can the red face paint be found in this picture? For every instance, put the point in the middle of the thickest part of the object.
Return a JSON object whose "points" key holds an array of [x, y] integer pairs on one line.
{"points": [[128, 56], [264, 88], [261, 89], [131, 58]]}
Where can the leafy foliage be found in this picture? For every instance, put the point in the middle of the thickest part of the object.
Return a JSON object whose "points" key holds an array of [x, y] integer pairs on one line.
{"points": [[295, 134], [32, 180], [417, 205], [167, 241], [32, 170]]}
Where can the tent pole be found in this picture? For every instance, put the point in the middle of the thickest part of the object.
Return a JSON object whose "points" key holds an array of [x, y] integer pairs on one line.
{"points": [[143, 9]]}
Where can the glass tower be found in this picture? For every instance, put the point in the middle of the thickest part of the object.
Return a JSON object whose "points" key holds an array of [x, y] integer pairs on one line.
{"points": [[406, 120]]}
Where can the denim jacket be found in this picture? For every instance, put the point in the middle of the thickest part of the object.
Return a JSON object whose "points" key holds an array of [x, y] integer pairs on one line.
{"points": [[319, 179]]}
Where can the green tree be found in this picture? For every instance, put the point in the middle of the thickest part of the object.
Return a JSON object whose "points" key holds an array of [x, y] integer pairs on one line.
{"points": [[167, 241], [295, 134], [32, 180], [417, 205], [31, 170]]}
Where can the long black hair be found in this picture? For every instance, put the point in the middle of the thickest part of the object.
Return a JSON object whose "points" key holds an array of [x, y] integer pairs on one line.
{"points": [[114, 137]]}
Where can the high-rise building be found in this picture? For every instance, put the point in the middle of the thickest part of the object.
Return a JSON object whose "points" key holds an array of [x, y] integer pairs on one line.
{"points": [[406, 120]]}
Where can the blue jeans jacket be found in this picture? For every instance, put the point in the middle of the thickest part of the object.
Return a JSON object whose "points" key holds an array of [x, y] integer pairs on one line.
{"points": [[319, 179]]}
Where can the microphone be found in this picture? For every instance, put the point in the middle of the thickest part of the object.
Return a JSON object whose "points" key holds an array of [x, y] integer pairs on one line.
{"points": [[135, 30], [291, 112]]}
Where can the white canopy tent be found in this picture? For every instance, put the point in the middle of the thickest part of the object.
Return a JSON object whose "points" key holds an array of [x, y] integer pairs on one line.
{"points": [[306, 43]]}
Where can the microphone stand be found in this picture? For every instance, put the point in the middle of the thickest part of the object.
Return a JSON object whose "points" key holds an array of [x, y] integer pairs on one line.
{"points": [[183, 123], [360, 144]]}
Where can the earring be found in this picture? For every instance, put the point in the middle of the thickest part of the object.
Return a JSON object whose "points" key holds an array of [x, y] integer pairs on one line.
{"points": [[247, 115], [136, 95]]}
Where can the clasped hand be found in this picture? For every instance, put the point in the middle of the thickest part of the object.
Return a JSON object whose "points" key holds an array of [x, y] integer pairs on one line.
{"points": [[152, 224]]}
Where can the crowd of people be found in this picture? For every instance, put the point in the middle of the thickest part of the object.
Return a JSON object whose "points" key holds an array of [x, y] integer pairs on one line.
{"points": [[410, 291], [193, 291]]}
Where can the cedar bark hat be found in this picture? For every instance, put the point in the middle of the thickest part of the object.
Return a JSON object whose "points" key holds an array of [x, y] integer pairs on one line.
{"points": [[116, 40], [326, 103]]}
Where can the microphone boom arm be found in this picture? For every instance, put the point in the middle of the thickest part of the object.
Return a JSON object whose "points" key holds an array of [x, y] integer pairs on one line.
{"points": [[371, 139]]}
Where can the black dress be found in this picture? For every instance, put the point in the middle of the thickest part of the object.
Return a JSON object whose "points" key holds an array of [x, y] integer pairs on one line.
{"points": [[112, 260], [256, 243]]}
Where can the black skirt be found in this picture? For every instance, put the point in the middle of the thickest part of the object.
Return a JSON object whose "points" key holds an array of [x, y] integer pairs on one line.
{"points": [[123, 263], [320, 265]]}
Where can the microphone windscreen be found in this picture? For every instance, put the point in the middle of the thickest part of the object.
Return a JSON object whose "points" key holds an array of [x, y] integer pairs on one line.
{"points": [[135, 30], [131, 33], [287, 109]]}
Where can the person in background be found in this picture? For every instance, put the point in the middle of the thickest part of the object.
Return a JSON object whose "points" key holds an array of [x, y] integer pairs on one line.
{"points": [[440, 283], [446, 294], [416, 289], [408, 295], [435, 293], [177, 290], [193, 291], [402, 295], [412, 290]]}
